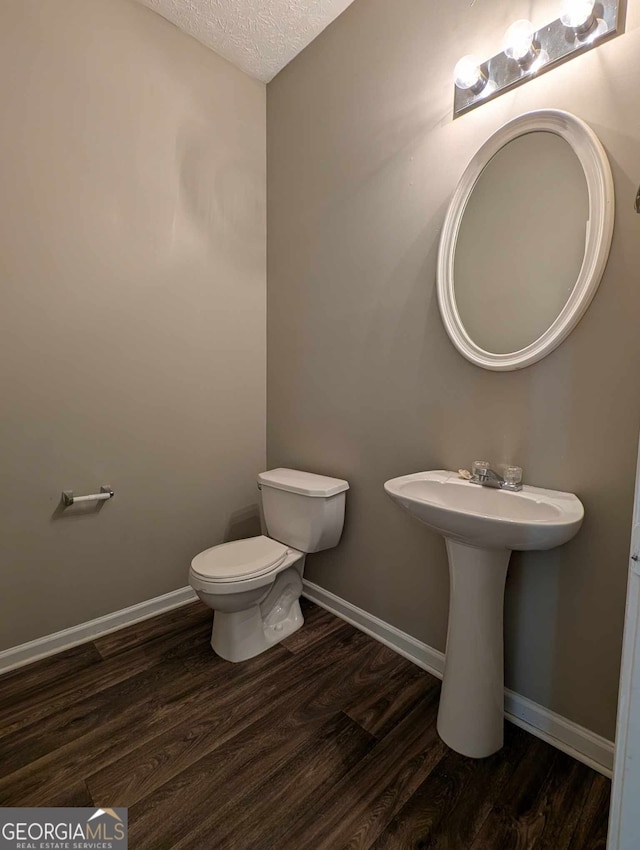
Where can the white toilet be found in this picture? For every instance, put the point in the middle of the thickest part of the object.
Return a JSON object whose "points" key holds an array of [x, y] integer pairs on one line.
{"points": [[254, 585]]}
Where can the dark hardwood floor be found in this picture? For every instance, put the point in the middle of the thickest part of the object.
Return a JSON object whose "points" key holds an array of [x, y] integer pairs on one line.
{"points": [[326, 741]]}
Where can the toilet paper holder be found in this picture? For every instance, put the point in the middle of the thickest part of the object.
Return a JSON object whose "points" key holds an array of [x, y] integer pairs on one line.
{"points": [[104, 495]]}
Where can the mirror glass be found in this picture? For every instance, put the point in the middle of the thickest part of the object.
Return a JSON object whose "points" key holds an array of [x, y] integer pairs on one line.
{"points": [[521, 242]]}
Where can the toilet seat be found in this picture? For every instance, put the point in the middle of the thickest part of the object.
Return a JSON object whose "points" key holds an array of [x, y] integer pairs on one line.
{"points": [[239, 560]]}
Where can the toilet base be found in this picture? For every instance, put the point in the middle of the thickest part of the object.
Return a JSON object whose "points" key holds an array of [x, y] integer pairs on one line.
{"points": [[243, 635], [240, 635]]}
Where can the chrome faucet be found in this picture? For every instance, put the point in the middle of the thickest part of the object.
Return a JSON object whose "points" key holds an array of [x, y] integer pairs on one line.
{"points": [[487, 477]]}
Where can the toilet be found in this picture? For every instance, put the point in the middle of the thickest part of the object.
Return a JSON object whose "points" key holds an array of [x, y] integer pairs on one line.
{"points": [[254, 585]]}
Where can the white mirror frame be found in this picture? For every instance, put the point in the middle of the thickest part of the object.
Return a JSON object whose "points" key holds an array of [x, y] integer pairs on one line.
{"points": [[597, 170]]}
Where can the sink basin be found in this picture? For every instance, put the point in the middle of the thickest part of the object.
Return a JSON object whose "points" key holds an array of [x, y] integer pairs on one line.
{"points": [[481, 526], [532, 518]]}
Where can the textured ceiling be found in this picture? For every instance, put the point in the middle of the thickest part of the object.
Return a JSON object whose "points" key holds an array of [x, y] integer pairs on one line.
{"points": [[259, 36]]}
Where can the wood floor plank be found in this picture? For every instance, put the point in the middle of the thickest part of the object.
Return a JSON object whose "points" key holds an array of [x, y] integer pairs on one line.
{"points": [[591, 829], [517, 821], [75, 795], [178, 619], [359, 808], [568, 795], [72, 721], [318, 626], [227, 769], [381, 708], [304, 696], [413, 826], [98, 677], [118, 721], [145, 697], [261, 816], [75, 718], [32, 679], [449, 808]]}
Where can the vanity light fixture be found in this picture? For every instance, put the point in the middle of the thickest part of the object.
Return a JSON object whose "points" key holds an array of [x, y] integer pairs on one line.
{"points": [[579, 16], [528, 52], [469, 75], [521, 46], [519, 43]]}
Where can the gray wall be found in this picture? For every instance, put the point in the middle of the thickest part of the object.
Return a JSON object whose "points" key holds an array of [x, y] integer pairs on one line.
{"points": [[363, 382], [132, 319]]}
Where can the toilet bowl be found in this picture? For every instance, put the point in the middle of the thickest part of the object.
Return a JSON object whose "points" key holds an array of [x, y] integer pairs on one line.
{"points": [[254, 585]]}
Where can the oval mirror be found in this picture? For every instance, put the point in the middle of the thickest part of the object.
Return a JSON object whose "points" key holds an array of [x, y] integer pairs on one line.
{"points": [[526, 240]]}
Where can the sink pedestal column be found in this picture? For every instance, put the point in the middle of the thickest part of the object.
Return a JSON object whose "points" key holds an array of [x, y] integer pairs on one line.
{"points": [[471, 714]]}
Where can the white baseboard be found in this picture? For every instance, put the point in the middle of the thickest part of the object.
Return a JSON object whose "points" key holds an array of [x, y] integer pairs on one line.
{"points": [[409, 647], [576, 741], [26, 653]]}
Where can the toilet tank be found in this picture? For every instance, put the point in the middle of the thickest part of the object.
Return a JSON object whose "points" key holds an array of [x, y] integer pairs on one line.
{"points": [[303, 510]]}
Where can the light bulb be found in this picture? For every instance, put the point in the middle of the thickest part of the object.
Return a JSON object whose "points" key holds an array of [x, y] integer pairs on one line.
{"points": [[519, 42], [578, 15], [469, 75]]}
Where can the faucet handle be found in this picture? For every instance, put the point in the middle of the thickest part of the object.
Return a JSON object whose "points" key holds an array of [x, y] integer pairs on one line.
{"points": [[513, 478], [480, 468]]}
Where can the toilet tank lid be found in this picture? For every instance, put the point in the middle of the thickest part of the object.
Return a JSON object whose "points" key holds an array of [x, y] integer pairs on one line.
{"points": [[305, 483]]}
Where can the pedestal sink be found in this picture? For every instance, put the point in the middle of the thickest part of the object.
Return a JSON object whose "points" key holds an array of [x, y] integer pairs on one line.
{"points": [[481, 526]]}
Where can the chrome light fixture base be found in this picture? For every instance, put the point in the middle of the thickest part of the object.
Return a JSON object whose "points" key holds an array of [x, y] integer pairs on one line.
{"points": [[554, 43]]}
